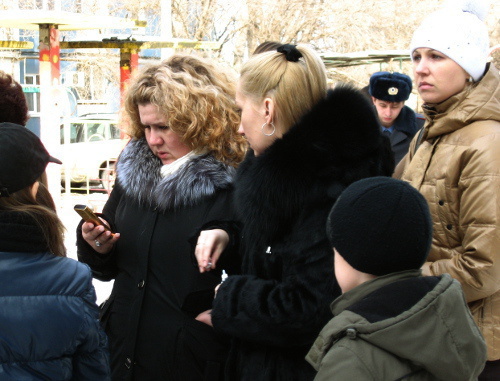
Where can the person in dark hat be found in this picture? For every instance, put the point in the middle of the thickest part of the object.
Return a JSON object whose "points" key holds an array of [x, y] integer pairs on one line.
{"points": [[48, 315], [390, 322], [389, 91]]}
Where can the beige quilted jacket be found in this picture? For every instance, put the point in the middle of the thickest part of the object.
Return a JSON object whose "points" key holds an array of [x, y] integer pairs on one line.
{"points": [[457, 169]]}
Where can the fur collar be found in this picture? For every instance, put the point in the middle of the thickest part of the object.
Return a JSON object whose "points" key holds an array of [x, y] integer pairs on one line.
{"points": [[336, 143], [406, 121], [139, 174]]}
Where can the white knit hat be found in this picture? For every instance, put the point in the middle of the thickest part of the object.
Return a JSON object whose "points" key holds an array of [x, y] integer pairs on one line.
{"points": [[458, 31]]}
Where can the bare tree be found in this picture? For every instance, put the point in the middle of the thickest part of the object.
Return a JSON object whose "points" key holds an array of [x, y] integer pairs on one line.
{"points": [[100, 72], [338, 26]]}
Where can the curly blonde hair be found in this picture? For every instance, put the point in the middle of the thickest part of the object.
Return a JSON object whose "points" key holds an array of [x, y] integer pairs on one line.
{"points": [[197, 99]]}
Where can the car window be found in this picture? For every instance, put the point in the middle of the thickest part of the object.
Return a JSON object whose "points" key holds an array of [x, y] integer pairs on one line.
{"points": [[76, 134], [96, 132], [114, 131], [91, 131]]}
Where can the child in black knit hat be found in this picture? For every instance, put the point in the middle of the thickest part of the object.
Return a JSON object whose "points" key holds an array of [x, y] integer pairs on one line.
{"points": [[390, 322]]}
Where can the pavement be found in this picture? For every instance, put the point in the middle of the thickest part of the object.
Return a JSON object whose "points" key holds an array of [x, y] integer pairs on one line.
{"points": [[71, 219]]}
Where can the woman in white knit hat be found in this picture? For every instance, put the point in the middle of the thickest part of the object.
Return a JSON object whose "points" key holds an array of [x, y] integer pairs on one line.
{"points": [[455, 162]]}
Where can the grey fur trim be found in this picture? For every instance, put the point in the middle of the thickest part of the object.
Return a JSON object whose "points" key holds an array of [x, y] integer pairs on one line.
{"points": [[139, 174]]}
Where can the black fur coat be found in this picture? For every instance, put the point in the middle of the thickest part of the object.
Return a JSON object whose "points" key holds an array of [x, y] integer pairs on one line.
{"points": [[278, 306]]}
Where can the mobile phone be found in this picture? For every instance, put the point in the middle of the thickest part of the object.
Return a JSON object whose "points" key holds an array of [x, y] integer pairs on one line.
{"points": [[89, 216]]}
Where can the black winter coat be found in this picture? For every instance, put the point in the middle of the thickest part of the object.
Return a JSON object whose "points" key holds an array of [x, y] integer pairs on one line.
{"points": [[277, 308], [158, 289]]}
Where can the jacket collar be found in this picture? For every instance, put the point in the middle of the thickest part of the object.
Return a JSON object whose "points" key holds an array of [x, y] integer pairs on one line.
{"points": [[406, 121], [20, 233], [358, 293], [476, 102], [139, 174]]}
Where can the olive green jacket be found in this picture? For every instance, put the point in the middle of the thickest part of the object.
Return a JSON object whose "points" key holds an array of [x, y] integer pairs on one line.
{"points": [[401, 326]]}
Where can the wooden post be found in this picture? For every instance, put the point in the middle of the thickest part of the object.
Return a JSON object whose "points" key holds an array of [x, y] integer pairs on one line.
{"points": [[49, 116]]}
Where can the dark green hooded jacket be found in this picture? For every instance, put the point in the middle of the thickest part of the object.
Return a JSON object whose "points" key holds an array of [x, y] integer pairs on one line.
{"points": [[400, 326]]}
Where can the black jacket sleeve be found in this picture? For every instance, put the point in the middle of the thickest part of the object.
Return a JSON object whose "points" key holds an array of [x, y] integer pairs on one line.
{"points": [[222, 216], [103, 265]]}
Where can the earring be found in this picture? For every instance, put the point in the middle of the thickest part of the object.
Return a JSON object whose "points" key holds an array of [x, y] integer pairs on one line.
{"points": [[271, 124], [470, 80]]}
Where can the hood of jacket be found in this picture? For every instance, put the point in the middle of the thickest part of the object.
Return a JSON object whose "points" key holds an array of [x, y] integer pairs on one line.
{"points": [[139, 174], [337, 142], [477, 102], [414, 318]]}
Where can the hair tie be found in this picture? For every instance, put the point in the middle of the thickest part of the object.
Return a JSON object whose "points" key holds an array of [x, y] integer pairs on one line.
{"points": [[290, 51]]}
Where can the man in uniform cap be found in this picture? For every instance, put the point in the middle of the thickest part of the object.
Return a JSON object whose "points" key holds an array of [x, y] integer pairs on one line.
{"points": [[399, 123]]}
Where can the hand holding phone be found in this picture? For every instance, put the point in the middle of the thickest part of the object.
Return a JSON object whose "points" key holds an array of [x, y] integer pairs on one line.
{"points": [[89, 216], [101, 241]]}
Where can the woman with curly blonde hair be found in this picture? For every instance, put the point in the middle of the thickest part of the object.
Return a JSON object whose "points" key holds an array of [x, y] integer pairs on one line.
{"points": [[173, 178], [200, 112]]}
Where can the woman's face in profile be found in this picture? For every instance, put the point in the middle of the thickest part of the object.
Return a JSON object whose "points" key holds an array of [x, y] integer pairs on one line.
{"points": [[436, 75], [253, 123], [163, 142]]}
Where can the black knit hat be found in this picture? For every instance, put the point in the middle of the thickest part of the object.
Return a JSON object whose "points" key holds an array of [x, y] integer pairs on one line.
{"points": [[390, 87], [23, 158], [381, 225]]}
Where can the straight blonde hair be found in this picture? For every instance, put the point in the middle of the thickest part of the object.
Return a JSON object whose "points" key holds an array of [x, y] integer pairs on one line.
{"points": [[295, 87]]}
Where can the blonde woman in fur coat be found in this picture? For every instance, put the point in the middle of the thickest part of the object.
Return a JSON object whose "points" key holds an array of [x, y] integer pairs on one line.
{"points": [[307, 145]]}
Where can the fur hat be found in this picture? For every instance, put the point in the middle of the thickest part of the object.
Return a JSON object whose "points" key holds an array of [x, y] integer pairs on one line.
{"points": [[23, 158], [390, 87], [381, 225], [458, 31]]}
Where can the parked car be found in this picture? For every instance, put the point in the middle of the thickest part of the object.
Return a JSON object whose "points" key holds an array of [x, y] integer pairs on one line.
{"points": [[90, 146]]}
